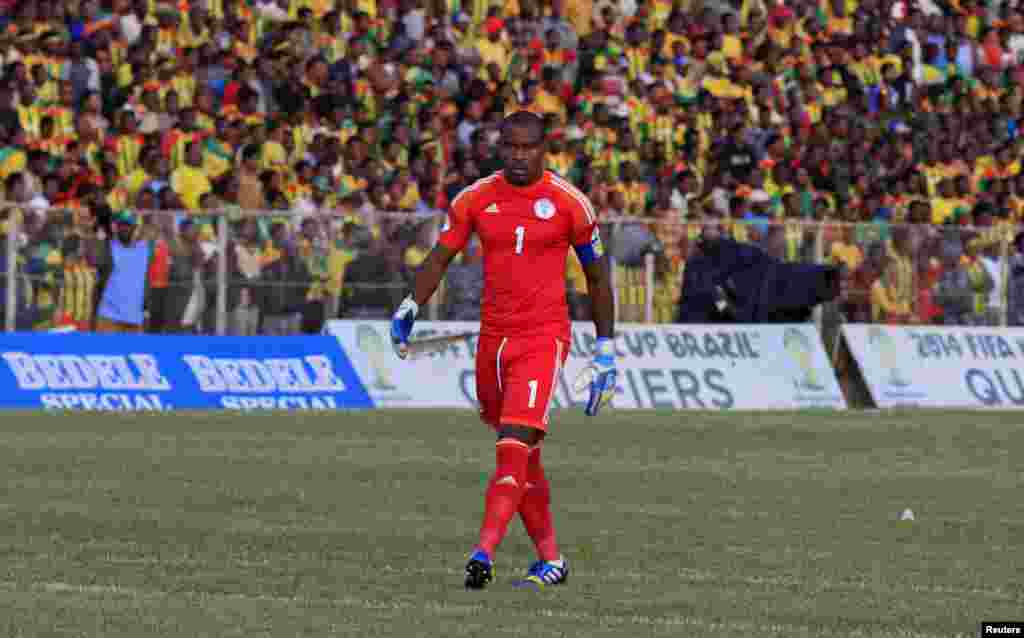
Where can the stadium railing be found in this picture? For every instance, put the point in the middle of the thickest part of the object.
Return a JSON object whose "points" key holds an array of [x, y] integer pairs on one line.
{"points": [[899, 274]]}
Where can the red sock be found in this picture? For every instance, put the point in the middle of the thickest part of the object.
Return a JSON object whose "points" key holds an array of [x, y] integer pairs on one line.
{"points": [[535, 509], [504, 492]]}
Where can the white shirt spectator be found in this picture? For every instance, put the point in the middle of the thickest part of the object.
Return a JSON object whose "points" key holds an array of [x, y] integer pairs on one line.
{"points": [[415, 24], [679, 201], [1016, 45], [926, 7], [465, 131], [720, 199], [995, 298], [917, 73], [38, 202], [965, 56], [131, 28], [303, 206], [93, 80], [271, 11]]}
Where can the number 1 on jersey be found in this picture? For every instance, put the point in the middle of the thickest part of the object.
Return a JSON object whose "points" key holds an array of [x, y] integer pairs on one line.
{"points": [[520, 236]]}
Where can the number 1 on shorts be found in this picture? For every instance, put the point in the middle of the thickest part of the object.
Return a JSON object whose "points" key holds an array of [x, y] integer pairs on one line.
{"points": [[520, 236], [533, 391]]}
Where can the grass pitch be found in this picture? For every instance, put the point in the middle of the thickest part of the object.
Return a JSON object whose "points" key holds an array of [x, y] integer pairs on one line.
{"points": [[358, 524]]}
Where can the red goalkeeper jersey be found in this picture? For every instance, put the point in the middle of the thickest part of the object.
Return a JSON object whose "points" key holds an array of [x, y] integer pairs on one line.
{"points": [[525, 234]]}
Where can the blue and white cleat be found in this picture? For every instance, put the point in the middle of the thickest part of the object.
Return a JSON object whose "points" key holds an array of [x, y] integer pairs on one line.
{"points": [[479, 570], [543, 573]]}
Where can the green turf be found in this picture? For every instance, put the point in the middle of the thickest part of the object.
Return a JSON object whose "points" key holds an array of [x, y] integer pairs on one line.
{"points": [[358, 525]]}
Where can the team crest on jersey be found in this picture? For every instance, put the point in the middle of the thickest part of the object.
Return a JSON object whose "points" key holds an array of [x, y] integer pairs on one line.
{"points": [[544, 208]]}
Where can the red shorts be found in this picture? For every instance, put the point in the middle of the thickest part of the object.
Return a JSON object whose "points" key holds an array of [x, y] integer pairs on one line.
{"points": [[516, 378]]}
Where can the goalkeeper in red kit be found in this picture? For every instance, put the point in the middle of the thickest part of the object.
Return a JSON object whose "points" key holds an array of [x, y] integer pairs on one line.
{"points": [[527, 219]]}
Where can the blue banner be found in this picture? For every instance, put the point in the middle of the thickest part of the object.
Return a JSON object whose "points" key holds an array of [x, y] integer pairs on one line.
{"points": [[156, 373]]}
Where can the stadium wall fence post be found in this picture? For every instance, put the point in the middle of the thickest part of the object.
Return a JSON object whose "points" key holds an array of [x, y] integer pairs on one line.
{"points": [[649, 288], [1004, 267], [222, 273], [615, 287], [819, 258], [434, 307], [11, 276], [608, 236]]}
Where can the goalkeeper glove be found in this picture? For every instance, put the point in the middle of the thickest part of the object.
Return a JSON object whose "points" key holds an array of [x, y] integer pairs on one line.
{"points": [[401, 326], [600, 376]]}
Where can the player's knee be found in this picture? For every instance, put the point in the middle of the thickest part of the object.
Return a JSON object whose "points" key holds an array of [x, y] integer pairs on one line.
{"points": [[529, 436]]}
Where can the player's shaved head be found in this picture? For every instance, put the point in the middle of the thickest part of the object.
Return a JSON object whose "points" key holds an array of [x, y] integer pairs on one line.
{"points": [[524, 119], [522, 148]]}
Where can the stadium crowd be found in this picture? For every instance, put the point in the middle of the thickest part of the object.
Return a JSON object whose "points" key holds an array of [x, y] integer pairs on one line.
{"points": [[147, 121]]}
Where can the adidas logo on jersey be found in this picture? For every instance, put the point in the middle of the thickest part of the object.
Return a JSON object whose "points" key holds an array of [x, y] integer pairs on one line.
{"points": [[508, 480], [493, 208]]}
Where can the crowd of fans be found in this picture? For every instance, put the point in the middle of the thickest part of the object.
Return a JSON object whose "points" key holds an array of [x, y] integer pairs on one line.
{"points": [[137, 118]]}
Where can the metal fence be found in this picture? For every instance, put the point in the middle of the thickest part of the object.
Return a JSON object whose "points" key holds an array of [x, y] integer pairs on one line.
{"points": [[279, 272]]}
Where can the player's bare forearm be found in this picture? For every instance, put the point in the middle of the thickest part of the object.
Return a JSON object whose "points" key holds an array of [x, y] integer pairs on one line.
{"points": [[602, 301], [430, 273]]}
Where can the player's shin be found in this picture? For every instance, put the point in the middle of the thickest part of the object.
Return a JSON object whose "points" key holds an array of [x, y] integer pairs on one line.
{"points": [[535, 509], [504, 492]]}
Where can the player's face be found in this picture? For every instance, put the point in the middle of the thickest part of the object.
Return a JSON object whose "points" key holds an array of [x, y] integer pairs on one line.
{"points": [[522, 149]]}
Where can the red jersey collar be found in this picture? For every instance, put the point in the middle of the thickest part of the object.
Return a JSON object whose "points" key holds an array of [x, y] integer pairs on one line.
{"points": [[533, 190]]}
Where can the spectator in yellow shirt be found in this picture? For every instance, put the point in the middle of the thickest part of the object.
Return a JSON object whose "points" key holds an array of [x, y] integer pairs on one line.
{"points": [[559, 159], [885, 303], [580, 13], [717, 81], [945, 205], [144, 171], [845, 250], [189, 181], [548, 98], [275, 155], [492, 49], [840, 23], [732, 44], [634, 190]]}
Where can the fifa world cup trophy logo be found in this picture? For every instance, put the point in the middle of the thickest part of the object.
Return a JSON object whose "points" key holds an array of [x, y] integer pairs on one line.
{"points": [[799, 346], [377, 353], [882, 343]]}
